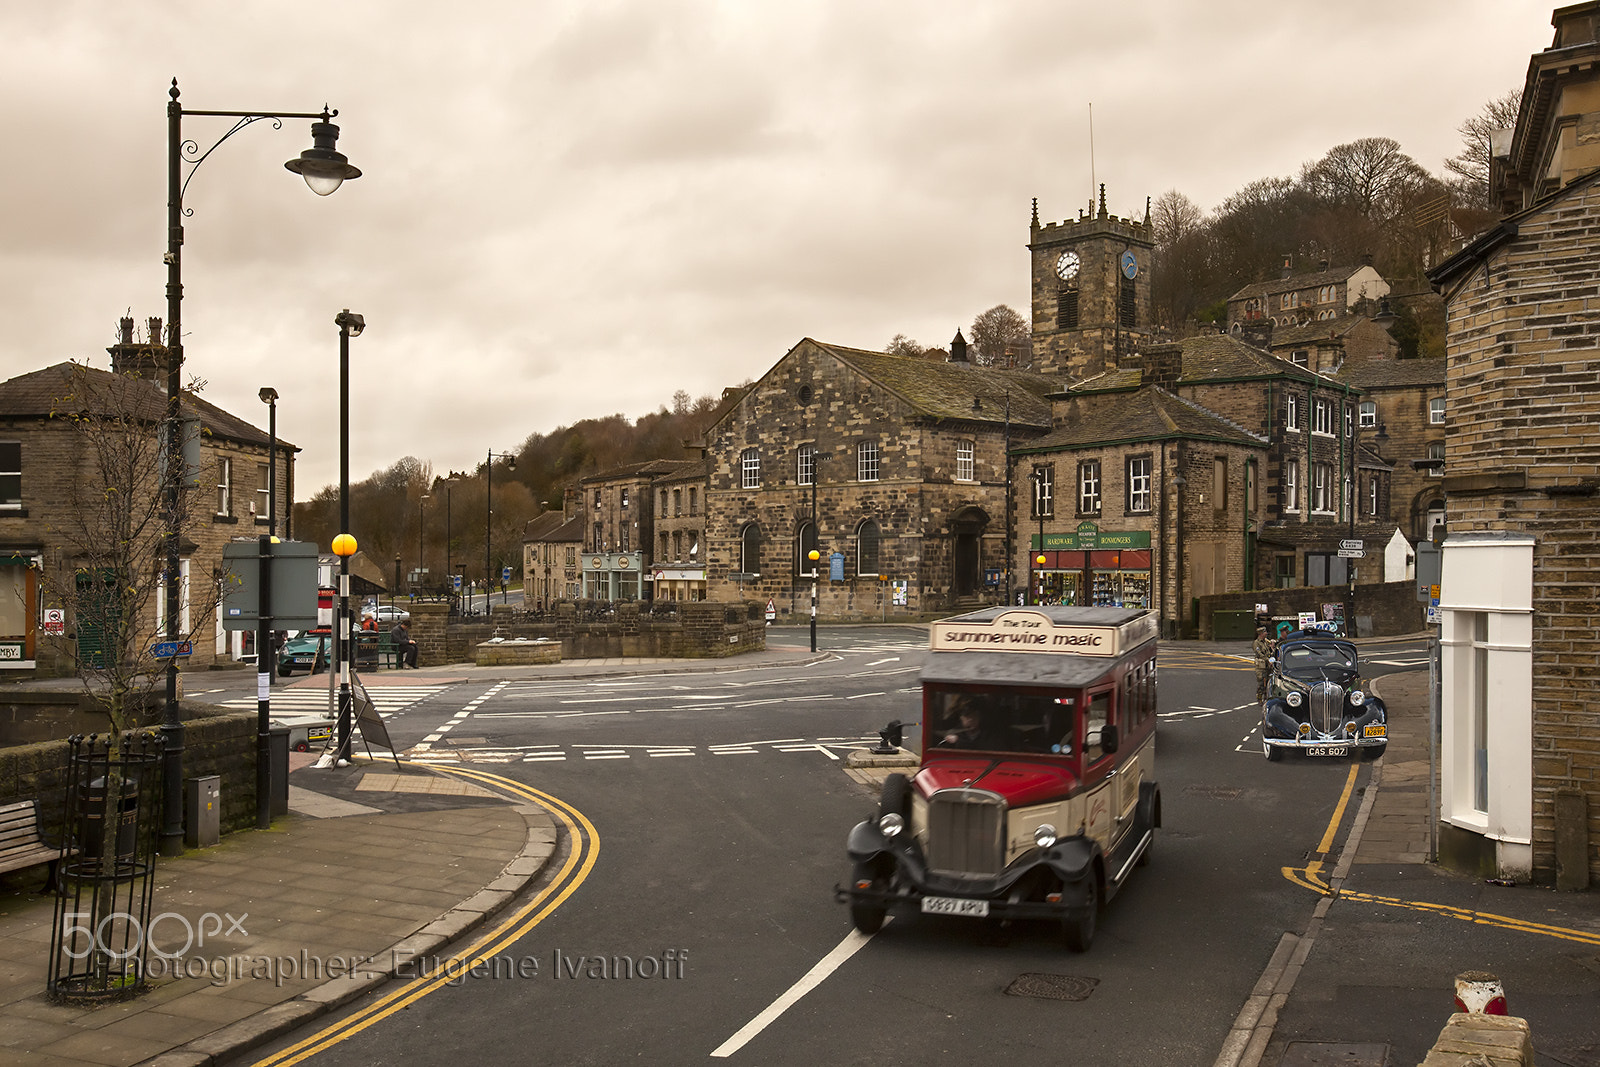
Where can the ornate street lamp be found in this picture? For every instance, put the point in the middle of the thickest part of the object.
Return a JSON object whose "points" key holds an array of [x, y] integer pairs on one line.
{"points": [[324, 169], [344, 546]]}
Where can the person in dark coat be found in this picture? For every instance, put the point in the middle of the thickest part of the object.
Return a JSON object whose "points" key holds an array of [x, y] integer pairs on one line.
{"points": [[405, 649]]}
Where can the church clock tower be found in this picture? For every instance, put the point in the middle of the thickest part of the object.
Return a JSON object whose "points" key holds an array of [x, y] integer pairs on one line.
{"points": [[1091, 290]]}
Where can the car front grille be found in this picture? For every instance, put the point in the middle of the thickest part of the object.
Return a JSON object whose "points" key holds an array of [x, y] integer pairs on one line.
{"points": [[966, 833], [1325, 704]]}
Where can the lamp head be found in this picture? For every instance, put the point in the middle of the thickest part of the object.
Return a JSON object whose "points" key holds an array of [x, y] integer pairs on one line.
{"points": [[350, 322], [813, 555], [344, 545], [322, 165], [1039, 559], [268, 394]]}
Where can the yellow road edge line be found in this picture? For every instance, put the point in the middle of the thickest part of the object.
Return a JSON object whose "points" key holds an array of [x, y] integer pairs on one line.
{"points": [[512, 928]]}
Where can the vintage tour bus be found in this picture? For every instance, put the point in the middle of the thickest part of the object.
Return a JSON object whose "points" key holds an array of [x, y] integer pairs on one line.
{"points": [[1036, 794]]}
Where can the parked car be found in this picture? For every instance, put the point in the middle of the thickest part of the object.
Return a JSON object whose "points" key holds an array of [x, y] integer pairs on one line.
{"points": [[1037, 796], [1318, 702], [386, 615], [300, 653]]}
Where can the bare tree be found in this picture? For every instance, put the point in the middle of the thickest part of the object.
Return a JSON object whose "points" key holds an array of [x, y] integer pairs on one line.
{"points": [[1373, 175], [1471, 165], [998, 330], [1181, 258], [111, 535], [901, 345]]}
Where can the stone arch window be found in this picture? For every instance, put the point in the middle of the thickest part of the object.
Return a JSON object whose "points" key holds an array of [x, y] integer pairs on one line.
{"points": [[750, 549], [869, 546], [804, 542]]}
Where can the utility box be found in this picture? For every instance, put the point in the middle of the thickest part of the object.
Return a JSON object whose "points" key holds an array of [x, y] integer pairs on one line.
{"points": [[1233, 625], [278, 751], [202, 811]]}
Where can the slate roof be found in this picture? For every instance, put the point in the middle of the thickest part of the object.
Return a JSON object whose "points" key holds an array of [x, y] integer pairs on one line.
{"points": [[1392, 373], [938, 389], [553, 526], [1331, 276], [1313, 332], [650, 468], [37, 394], [1209, 357], [1148, 414]]}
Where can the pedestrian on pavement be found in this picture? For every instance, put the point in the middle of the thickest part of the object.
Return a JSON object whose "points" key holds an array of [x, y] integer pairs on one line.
{"points": [[405, 649], [1263, 652]]}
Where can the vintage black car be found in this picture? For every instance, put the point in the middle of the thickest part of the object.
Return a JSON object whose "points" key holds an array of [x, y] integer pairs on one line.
{"points": [[1318, 703]]}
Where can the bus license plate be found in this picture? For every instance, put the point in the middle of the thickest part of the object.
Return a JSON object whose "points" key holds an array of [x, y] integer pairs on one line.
{"points": [[955, 906], [1328, 750]]}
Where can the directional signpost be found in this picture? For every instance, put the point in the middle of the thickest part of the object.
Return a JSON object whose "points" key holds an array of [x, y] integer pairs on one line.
{"points": [[1353, 549], [169, 649]]}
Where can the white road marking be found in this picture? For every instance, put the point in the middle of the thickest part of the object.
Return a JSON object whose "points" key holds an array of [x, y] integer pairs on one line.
{"points": [[891, 659], [854, 942]]}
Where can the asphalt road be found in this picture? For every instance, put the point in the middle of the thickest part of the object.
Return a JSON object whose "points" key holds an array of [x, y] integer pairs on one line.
{"points": [[721, 808]]}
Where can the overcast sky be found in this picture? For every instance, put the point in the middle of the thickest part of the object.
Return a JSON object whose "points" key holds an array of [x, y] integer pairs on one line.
{"points": [[571, 209]]}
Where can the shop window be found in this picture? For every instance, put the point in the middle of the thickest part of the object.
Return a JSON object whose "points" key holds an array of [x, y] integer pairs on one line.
{"points": [[868, 546]]}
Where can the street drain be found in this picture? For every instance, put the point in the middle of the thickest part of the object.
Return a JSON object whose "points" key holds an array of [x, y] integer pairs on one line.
{"points": [[1052, 986], [1215, 792]]}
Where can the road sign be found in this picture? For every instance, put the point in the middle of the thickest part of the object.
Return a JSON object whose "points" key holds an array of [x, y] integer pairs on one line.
{"points": [[55, 621], [169, 649], [505, 575], [455, 579], [1352, 553], [1356, 544], [772, 611]]}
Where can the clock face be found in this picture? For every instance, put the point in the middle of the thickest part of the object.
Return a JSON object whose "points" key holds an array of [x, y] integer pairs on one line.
{"points": [[1130, 265], [1067, 266]]}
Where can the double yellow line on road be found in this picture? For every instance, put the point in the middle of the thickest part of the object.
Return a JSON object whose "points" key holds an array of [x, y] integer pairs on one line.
{"points": [[581, 855], [1310, 877]]}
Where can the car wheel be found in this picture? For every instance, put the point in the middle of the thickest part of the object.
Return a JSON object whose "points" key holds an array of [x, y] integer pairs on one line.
{"points": [[284, 672], [1079, 930], [1272, 752], [1373, 752], [867, 916]]}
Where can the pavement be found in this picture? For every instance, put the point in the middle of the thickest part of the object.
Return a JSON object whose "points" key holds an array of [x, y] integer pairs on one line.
{"points": [[378, 869]]}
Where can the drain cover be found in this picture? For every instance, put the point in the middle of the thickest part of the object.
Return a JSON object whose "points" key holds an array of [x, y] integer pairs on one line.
{"points": [[1052, 986]]}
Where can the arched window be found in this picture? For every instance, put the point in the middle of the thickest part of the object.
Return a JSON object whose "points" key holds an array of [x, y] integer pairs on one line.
{"points": [[805, 541], [867, 548], [750, 549]]}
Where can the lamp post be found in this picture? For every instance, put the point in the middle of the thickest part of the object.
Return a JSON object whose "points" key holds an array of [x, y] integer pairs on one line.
{"points": [[488, 519], [420, 567], [324, 170], [1036, 579], [269, 397], [344, 545], [817, 459]]}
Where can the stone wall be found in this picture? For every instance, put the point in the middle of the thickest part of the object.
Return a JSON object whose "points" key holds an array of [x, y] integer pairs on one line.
{"points": [[1392, 606], [223, 744], [706, 630]]}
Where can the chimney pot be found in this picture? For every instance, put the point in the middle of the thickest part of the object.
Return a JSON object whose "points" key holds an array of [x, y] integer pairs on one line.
{"points": [[126, 327]]}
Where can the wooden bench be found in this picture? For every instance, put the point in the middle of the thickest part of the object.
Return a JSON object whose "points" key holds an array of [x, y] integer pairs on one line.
{"points": [[21, 846]]}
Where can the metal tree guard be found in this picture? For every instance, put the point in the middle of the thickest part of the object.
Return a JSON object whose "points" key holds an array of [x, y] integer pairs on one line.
{"points": [[99, 943]]}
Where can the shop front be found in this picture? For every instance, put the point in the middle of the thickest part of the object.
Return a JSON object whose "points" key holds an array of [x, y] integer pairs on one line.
{"points": [[611, 576], [1091, 567], [678, 583]]}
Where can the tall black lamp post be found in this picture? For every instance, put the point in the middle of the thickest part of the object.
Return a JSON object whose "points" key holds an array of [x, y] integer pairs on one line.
{"points": [[420, 568], [324, 170], [815, 556], [1036, 575], [265, 653], [488, 519], [344, 546]]}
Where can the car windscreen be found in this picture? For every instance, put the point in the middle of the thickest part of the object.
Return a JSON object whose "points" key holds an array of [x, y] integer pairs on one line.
{"points": [[1313, 660], [1003, 721]]}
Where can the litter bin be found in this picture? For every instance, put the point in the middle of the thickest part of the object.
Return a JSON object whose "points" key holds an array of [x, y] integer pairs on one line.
{"points": [[278, 753], [202, 811]]}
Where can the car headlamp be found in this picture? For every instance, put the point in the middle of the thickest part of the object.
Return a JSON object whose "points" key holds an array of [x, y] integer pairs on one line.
{"points": [[891, 824], [1293, 698], [1357, 697], [1044, 835]]}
